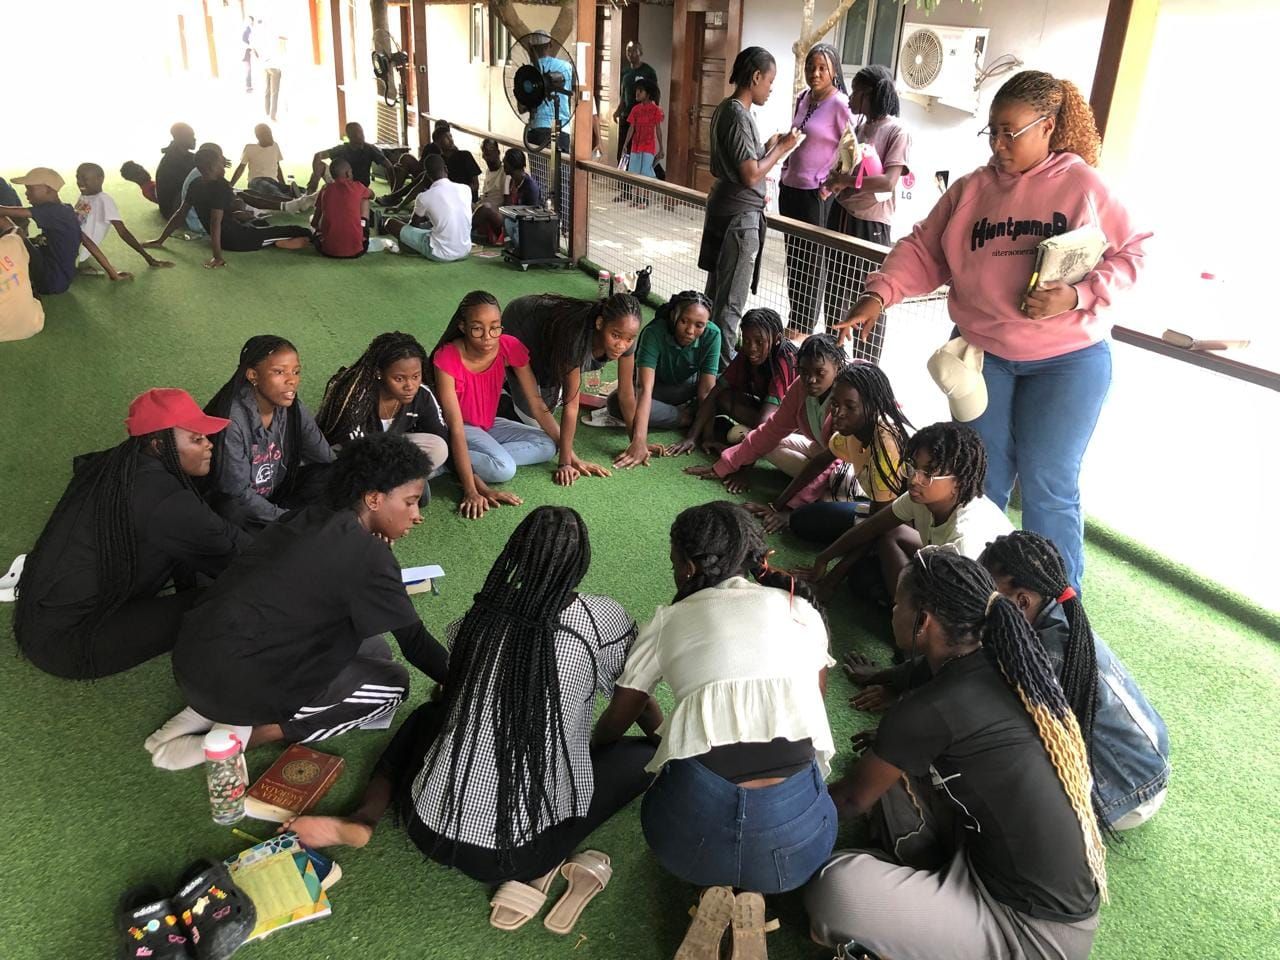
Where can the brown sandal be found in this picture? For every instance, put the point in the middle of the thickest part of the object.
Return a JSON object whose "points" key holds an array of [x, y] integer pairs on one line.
{"points": [[711, 919], [749, 927]]}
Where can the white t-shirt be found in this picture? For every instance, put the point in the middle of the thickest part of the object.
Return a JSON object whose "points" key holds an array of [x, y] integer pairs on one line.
{"points": [[493, 187], [448, 206], [262, 161], [969, 528], [742, 661], [96, 213]]}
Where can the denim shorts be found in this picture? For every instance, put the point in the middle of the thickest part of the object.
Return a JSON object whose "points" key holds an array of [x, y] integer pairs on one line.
{"points": [[710, 832]]}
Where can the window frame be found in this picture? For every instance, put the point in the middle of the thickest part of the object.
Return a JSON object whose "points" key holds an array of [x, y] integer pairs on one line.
{"points": [[875, 10]]}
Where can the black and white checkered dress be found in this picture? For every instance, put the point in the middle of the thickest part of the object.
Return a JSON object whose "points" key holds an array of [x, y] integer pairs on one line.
{"points": [[592, 644]]}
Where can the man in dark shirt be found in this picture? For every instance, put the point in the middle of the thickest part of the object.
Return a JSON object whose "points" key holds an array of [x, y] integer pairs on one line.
{"points": [[356, 151], [177, 160], [460, 164], [636, 68], [213, 201]]}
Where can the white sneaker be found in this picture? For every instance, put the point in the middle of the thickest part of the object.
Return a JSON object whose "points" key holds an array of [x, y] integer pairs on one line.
{"points": [[9, 582], [300, 204], [602, 418]]}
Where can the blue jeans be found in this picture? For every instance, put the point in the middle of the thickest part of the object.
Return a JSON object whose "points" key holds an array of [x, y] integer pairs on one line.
{"points": [[710, 832], [497, 452], [1039, 419]]}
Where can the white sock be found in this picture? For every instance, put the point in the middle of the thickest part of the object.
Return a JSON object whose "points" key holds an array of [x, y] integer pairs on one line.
{"points": [[185, 722], [188, 751]]}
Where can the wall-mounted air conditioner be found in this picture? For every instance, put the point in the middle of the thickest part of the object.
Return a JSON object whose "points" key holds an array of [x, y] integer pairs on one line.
{"points": [[942, 63]]}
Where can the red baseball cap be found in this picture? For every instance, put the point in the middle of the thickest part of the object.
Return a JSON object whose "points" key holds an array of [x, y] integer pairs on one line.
{"points": [[163, 407]]}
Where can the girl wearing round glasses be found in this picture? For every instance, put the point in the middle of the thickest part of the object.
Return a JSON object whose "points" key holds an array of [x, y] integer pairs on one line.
{"points": [[944, 469], [1048, 362]]}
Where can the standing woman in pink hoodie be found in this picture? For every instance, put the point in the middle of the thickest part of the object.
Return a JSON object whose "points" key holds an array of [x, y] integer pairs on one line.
{"points": [[1048, 359]]}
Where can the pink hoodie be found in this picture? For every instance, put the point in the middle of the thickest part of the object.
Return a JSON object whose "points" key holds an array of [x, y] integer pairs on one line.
{"points": [[981, 238]]}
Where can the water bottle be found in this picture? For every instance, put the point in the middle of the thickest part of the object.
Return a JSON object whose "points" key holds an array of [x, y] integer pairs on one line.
{"points": [[227, 774], [603, 281]]}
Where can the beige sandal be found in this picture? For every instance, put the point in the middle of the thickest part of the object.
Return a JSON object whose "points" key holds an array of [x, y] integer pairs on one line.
{"points": [[749, 927], [588, 873], [514, 903], [710, 919]]}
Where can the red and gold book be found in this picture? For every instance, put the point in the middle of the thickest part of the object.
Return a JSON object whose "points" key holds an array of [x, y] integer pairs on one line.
{"points": [[293, 784]]}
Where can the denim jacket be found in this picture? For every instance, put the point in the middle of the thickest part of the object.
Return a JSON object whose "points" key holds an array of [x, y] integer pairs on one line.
{"points": [[1130, 740]]}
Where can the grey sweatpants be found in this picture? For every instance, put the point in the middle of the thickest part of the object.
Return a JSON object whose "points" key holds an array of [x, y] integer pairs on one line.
{"points": [[939, 912], [664, 409], [729, 284]]}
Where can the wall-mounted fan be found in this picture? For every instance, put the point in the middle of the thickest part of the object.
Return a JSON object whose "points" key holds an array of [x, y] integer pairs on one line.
{"points": [[388, 62], [540, 80]]}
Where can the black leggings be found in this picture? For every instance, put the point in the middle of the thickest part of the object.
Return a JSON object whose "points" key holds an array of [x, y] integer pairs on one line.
{"points": [[618, 770], [804, 261], [139, 630], [243, 238]]}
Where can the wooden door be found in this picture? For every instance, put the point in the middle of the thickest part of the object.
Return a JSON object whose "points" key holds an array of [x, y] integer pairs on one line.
{"points": [[710, 71], [706, 36]]}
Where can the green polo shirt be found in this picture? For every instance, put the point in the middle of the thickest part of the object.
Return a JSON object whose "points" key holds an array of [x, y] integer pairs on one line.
{"points": [[672, 363]]}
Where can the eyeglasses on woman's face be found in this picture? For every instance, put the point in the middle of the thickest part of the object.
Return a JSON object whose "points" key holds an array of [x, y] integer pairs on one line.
{"points": [[921, 475], [1007, 138]]}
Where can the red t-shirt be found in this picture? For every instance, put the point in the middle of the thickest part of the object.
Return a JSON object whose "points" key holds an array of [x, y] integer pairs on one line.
{"points": [[644, 119], [338, 205], [478, 393]]}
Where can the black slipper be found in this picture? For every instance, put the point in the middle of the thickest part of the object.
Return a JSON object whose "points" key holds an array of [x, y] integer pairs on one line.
{"points": [[219, 914], [149, 927]]}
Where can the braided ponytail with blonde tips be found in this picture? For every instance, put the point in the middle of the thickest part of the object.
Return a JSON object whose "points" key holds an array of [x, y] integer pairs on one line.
{"points": [[1075, 130], [957, 592]]}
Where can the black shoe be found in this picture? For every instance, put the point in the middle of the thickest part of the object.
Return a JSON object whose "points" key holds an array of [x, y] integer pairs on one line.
{"points": [[149, 927], [219, 915]]}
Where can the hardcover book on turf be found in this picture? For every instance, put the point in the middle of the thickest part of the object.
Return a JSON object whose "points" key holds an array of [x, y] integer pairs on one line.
{"points": [[293, 784]]}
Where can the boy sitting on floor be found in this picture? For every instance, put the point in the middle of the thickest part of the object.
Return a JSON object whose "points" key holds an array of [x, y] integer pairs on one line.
{"points": [[213, 200], [441, 224], [136, 173], [263, 159], [53, 252], [98, 213], [488, 224], [342, 214]]}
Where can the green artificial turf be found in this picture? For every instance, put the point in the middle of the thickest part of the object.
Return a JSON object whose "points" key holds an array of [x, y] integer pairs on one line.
{"points": [[86, 815]]}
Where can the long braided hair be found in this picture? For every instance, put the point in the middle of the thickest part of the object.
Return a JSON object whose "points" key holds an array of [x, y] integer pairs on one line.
{"points": [[568, 325], [504, 676], [350, 402], [255, 350], [453, 331], [956, 449], [1032, 562], [962, 597], [722, 540], [1075, 129], [101, 485], [782, 353], [883, 416]]}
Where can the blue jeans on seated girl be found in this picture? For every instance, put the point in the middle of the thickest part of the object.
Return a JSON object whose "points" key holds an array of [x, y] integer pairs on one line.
{"points": [[664, 408], [497, 452], [1039, 419], [710, 832]]}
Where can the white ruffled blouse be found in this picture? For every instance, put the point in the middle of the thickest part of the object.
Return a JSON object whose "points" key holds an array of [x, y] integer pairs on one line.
{"points": [[742, 661]]}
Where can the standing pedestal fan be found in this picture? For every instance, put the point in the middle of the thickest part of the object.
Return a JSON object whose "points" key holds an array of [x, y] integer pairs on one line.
{"points": [[540, 81]]}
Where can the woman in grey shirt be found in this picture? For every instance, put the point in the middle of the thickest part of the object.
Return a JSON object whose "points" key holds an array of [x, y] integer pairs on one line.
{"points": [[733, 233]]}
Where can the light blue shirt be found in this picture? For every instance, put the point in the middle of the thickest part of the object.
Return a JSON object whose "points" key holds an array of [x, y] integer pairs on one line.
{"points": [[542, 115], [193, 221]]}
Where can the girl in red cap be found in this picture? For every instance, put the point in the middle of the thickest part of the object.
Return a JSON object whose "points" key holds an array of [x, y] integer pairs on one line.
{"points": [[129, 521]]}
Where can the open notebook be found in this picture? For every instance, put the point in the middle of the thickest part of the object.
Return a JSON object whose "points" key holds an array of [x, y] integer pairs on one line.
{"points": [[280, 878]]}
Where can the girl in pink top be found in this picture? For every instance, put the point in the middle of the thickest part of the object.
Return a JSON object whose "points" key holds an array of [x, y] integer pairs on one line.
{"points": [[822, 114], [470, 364], [797, 432], [1048, 362]]}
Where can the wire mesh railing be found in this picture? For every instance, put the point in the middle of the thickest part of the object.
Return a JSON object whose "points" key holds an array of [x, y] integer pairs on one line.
{"points": [[809, 275]]}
